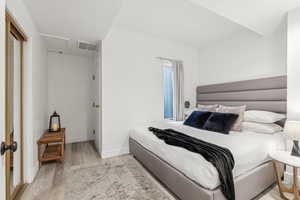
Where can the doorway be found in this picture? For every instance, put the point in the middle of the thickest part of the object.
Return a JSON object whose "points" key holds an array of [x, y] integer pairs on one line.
{"points": [[12, 148]]}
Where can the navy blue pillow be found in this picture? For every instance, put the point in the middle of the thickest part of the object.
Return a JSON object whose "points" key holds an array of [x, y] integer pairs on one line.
{"points": [[220, 122], [197, 119]]}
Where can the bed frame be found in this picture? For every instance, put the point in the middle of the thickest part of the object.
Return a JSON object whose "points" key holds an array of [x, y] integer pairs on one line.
{"points": [[263, 94]]}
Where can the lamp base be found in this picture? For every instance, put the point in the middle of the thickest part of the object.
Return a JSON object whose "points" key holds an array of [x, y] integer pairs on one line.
{"points": [[296, 150], [52, 131]]}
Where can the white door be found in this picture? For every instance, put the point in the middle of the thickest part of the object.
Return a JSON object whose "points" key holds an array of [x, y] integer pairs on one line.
{"points": [[96, 98]]}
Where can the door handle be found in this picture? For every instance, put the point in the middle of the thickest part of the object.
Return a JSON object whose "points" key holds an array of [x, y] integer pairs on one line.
{"points": [[95, 105], [4, 147]]}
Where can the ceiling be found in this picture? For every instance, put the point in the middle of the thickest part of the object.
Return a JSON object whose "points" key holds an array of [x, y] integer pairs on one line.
{"points": [[63, 23], [194, 22], [261, 16], [178, 20], [87, 20]]}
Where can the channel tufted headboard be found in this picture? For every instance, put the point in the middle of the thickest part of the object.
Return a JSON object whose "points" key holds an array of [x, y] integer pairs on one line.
{"points": [[261, 94]]}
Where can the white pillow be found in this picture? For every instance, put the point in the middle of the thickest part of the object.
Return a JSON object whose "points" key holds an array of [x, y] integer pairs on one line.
{"points": [[261, 116], [261, 127], [210, 108]]}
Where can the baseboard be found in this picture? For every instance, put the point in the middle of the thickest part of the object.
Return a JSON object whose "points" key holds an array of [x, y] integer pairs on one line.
{"points": [[76, 140], [114, 152], [35, 170], [29, 178]]}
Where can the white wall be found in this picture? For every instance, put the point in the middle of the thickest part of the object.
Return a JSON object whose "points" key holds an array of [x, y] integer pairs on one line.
{"points": [[39, 94], [245, 55], [2, 94], [293, 63], [35, 86], [132, 92], [70, 93]]}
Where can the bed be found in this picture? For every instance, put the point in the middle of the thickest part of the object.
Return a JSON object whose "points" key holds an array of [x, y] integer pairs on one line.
{"points": [[185, 173]]}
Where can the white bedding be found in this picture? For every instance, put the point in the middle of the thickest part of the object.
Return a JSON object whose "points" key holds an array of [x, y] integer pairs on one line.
{"points": [[249, 150]]}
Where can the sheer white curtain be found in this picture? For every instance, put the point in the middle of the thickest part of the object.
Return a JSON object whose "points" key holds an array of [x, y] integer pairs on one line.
{"points": [[178, 90]]}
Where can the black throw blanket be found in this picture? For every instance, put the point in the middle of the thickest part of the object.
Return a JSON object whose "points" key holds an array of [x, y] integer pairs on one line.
{"points": [[220, 157]]}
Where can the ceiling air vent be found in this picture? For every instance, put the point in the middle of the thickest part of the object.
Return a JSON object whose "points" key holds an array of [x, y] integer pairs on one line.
{"points": [[87, 46]]}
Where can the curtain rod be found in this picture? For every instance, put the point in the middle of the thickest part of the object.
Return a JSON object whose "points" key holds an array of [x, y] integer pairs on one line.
{"points": [[169, 59]]}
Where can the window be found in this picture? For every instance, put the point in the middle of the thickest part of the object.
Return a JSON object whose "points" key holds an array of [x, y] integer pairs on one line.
{"points": [[173, 88], [168, 78]]}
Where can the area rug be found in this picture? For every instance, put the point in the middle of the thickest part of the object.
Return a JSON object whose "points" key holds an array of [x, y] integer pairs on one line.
{"points": [[122, 178]]}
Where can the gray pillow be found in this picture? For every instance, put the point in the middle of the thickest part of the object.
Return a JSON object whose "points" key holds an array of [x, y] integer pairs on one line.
{"points": [[239, 110], [210, 108]]}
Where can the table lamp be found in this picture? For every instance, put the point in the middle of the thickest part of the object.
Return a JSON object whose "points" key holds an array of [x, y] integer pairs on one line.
{"points": [[292, 132]]}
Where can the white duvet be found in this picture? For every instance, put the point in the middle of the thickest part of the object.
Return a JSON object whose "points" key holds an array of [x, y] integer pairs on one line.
{"points": [[249, 150]]}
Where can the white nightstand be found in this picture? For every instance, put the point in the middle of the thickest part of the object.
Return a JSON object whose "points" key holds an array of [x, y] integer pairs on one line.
{"points": [[284, 157]]}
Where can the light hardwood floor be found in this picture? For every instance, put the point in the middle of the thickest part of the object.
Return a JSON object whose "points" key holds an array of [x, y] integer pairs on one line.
{"points": [[48, 184]]}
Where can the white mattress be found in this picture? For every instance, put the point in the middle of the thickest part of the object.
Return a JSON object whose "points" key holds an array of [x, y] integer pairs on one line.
{"points": [[249, 150]]}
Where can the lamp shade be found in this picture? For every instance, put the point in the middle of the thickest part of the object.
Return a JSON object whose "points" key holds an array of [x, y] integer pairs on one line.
{"points": [[292, 130]]}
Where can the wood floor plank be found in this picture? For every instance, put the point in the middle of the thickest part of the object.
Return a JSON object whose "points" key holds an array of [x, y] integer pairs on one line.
{"points": [[49, 182]]}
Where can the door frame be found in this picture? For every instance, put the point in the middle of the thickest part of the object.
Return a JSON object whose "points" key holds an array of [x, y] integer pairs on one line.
{"points": [[12, 27]]}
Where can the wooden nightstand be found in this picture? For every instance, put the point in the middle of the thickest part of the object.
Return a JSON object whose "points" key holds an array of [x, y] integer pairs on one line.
{"points": [[54, 146], [284, 157]]}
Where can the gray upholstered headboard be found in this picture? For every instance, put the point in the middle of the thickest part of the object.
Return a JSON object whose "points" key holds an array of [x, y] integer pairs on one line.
{"points": [[261, 94]]}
